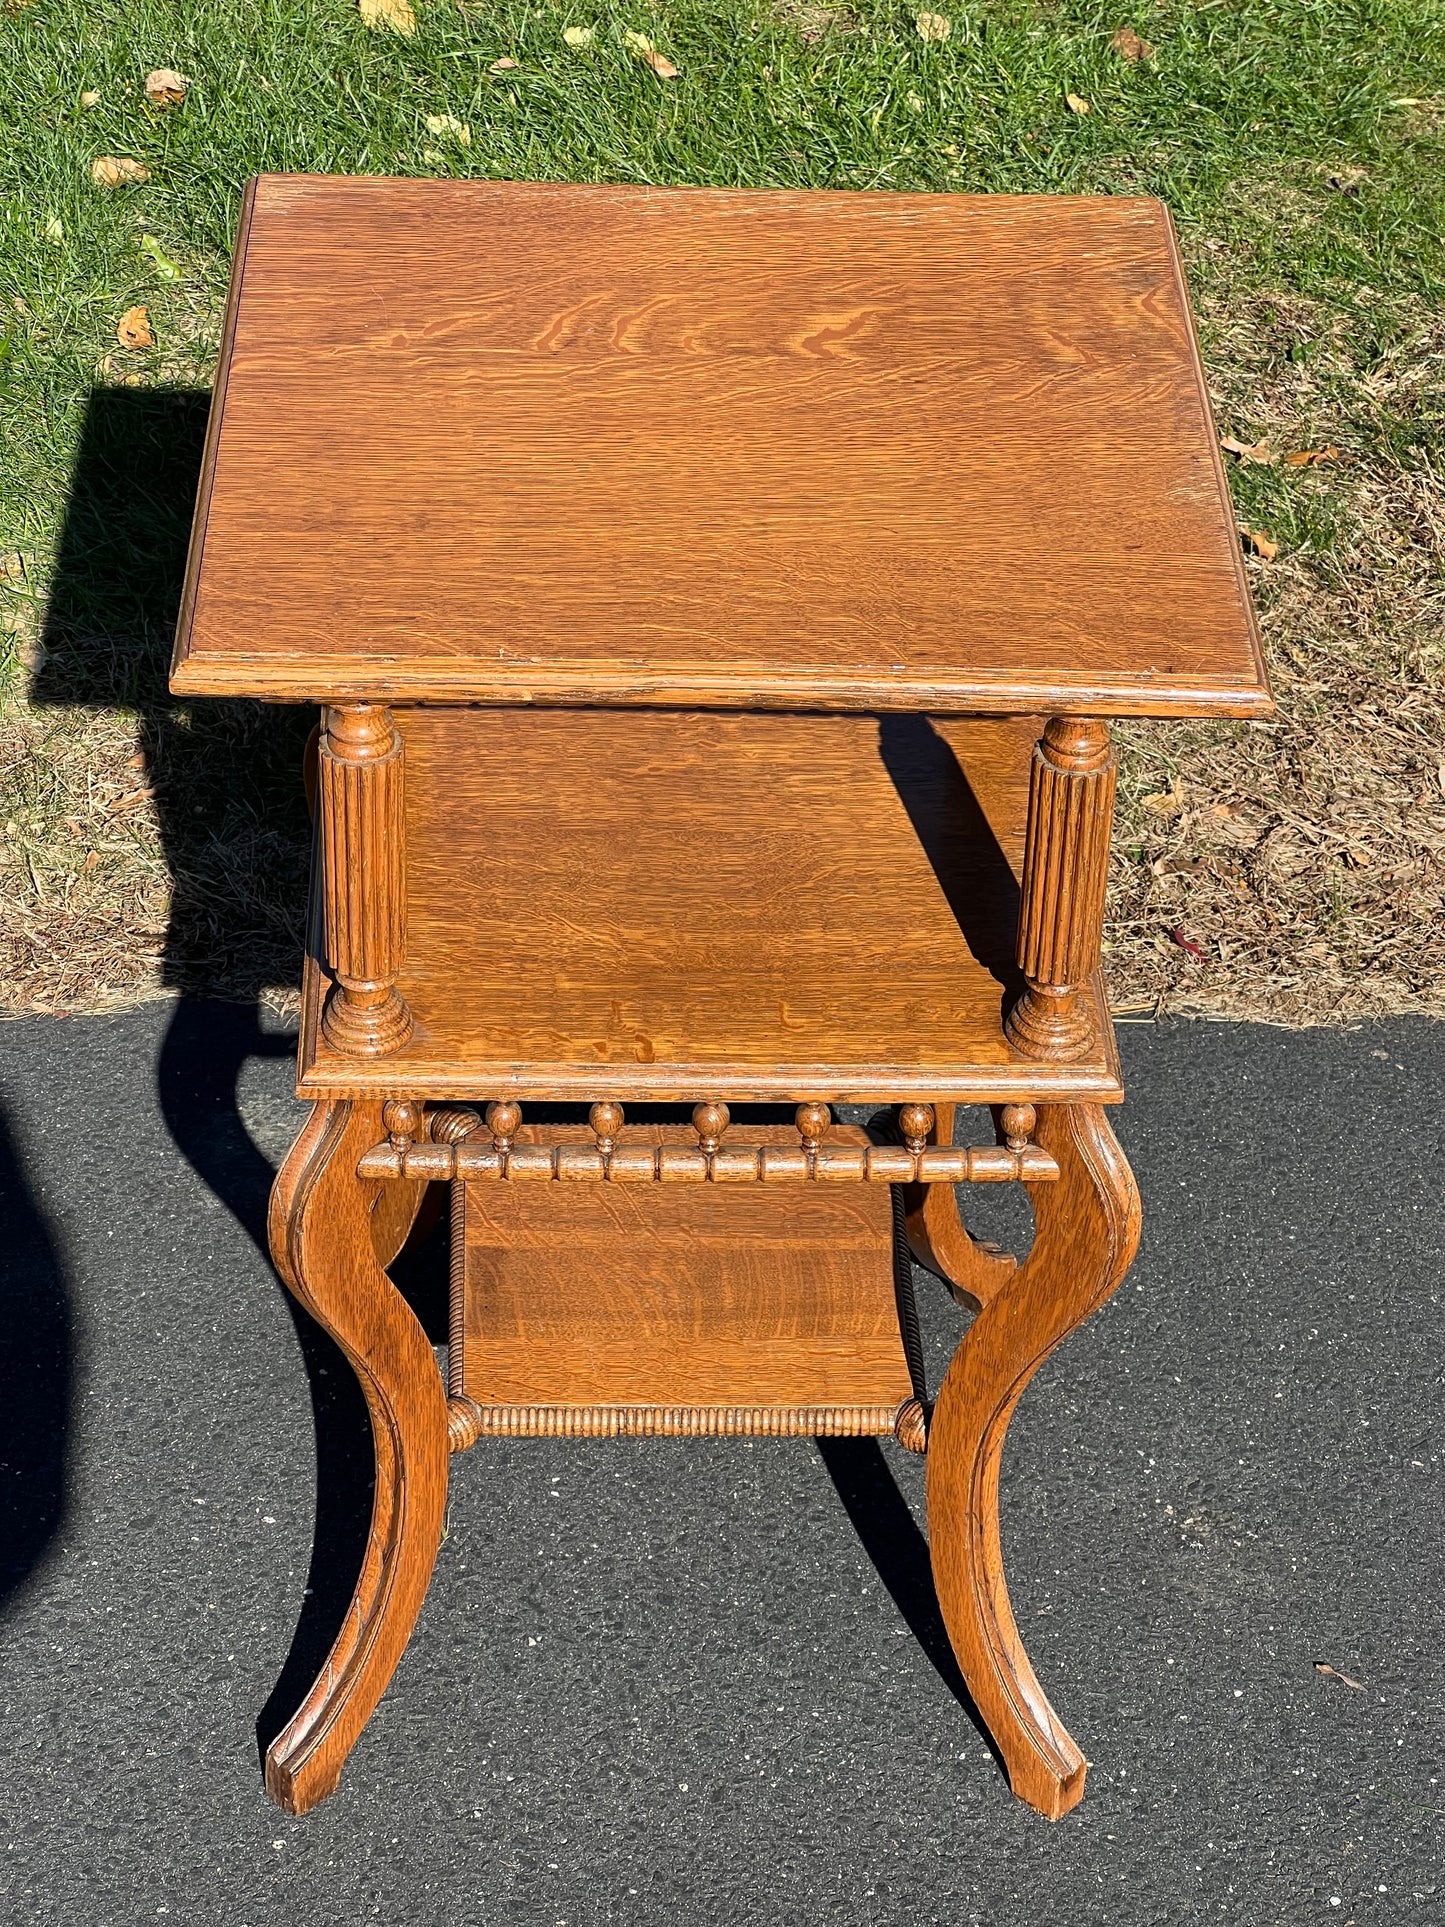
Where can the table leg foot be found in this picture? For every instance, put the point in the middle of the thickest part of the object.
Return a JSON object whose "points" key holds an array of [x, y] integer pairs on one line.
{"points": [[1087, 1232], [938, 1240], [323, 1242]]}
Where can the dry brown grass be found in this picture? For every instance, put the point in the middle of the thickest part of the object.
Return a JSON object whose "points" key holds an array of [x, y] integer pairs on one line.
{"points": [[1305, 858]]}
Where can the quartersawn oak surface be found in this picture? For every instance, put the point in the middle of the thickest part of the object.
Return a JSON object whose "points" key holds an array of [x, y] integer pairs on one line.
{"points": [[672, 904], [581, 1294], [476, 440]]}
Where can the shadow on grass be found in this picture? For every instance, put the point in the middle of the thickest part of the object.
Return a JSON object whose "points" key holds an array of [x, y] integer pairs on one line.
{"points": [[225, 774]]}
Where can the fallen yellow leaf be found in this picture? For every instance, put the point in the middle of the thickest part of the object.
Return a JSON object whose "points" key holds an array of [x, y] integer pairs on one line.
{"points": [[1260, 543], [502, 66], [165, 87], [133, 330], [395, 14], [1247, 451], [579, 36], [1127, 44], [460, 131], [1076, 104], [933, 26], [114, 170], [91, 97], [1311, 457], [637, 43]]}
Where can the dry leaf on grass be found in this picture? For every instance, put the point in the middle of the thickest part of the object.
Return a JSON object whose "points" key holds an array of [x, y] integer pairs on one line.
{"points": [[933, 26], [1261, 543], [1165, 802], [1076, 104], [460, 131], [396, 14], [1311, 457], [133, 330], [639, 44], [91, 97], [1127, 44], [502, 66], [1247, 451], [579, 36], [116, 170], [166, 88]]}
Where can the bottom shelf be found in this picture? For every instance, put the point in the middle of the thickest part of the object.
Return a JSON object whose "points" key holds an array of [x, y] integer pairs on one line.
{"points": [[580, 1310]]}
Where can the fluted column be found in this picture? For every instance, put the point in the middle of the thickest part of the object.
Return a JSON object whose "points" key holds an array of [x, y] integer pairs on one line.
{"points": [[363, 869], [1066, 868]]}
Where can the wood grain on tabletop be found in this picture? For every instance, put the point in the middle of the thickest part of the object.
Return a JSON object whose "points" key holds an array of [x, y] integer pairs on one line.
{"points": [[554, 443], [651, 903]]}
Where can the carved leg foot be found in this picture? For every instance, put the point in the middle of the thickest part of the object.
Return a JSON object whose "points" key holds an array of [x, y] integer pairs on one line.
{"points": [[1087, 1232], [937, 1238], [326, 1243]]}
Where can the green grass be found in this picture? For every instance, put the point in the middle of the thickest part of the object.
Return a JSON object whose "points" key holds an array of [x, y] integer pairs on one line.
{"points": [[1300, 145]]}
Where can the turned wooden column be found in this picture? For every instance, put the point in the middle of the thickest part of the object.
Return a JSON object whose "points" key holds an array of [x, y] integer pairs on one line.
{"points": [[1066, 867], [363, 870]]}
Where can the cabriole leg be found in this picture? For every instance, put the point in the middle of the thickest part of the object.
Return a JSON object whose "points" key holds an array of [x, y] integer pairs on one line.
{"points": [[326, 1245], [1087, 1231]]}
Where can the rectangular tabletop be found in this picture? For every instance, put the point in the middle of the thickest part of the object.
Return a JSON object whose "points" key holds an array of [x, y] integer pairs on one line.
{"points": [[481, 441]]}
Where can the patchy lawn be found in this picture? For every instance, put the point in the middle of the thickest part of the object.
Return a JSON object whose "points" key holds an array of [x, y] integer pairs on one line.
{"points": [[1290, 870]]}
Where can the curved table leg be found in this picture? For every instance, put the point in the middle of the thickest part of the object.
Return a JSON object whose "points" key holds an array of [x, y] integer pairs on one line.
{"points": [[939, 1241], [1087, 1233], [322, 1241]]}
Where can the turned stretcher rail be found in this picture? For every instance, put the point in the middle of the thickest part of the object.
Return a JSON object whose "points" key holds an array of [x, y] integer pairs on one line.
{"points": [[741, 1164]]}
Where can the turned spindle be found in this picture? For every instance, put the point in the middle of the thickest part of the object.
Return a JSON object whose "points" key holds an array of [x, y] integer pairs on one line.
{"points": [[606, 1119], [915, 1121], [1061, 906], [504, 1119], [363, 877], [403, 1119], [709, 1120], [812, 1121], [1018, 1122]]}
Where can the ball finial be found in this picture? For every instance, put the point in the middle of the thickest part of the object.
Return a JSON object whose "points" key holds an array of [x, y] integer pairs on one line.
{"points": [[812, 1121], [503, 1121], [1018, 1122], [915, 1121], [606, 1119], [709, 1120], [403, 1119]]}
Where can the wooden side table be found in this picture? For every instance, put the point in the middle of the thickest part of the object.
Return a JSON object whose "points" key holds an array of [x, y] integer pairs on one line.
{"points": [[714, 601]]}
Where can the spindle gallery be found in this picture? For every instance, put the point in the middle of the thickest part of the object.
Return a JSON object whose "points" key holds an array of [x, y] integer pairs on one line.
{"points": [[689, 738]]}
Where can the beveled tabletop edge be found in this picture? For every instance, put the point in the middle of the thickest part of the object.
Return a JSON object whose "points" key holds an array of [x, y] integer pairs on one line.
{"points": [[443, 680], [202, 514]]}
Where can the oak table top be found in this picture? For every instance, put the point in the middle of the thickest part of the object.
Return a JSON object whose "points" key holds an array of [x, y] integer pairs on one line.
{"points": [[482, 441]]}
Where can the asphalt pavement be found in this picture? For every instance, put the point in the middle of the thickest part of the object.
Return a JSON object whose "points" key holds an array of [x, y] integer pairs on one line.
{"points": [[693, 1681]]}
